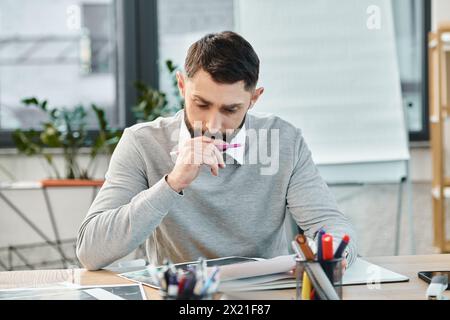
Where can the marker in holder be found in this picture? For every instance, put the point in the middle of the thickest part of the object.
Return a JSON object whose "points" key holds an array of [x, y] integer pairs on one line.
{"points": [[306, 281]]}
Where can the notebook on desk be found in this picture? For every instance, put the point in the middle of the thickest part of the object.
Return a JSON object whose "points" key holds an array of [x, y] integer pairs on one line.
{"points": [[251, 274], [361, 272]]}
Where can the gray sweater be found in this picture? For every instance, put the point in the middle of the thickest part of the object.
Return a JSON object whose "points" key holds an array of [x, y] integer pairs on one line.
{"points": [[241, 212]]}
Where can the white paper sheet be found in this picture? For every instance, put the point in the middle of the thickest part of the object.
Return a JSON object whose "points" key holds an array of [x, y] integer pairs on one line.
{"points": [[257, 268]]}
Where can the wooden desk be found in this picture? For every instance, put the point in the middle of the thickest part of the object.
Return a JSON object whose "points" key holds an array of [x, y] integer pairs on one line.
{"points": [[406, 265]]}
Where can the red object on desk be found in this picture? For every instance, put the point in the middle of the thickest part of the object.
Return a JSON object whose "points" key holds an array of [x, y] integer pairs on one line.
{"points": [[327, 247]]}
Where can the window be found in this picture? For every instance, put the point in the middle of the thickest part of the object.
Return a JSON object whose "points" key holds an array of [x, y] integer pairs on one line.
{"points": [[412, 24], [181, 23], [93, 51], [60, 50], [98, 37]]}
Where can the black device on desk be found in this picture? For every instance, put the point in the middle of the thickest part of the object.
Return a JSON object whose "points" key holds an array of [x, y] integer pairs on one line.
{"points": [[428, 275]]}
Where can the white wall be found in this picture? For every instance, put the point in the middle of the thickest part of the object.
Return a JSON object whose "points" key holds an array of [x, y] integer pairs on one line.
{"points": [[440, 11], [70, 205]]}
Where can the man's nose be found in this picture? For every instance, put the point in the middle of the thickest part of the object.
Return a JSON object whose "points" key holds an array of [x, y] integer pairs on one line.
{"points": [[214, 126]]}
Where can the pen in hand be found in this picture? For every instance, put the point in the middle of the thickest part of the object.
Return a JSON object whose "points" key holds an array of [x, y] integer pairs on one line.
{"points": [[221, 147]]}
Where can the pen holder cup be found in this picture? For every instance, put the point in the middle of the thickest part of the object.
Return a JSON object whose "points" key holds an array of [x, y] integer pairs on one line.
{"points": [[332, 268]]}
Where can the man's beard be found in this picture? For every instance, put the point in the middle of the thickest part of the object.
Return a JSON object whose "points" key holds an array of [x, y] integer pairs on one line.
{"points": [[225, 136]]}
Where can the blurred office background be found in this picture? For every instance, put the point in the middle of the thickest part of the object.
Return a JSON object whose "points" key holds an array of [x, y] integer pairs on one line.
{"points": [[74, 52]]}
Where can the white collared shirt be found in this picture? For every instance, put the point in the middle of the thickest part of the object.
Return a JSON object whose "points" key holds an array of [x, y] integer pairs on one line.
{"points": [[236, 153]]}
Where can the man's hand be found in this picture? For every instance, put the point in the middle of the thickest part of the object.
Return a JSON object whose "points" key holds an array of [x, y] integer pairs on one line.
{"points": [[191, 156]]}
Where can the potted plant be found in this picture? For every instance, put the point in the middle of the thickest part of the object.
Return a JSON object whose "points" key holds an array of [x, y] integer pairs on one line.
{"points": [[153, 103], [66, 129]]}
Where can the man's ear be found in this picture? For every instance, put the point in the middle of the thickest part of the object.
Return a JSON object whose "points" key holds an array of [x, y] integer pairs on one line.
{"points": [[181, 83], [258, 92]]}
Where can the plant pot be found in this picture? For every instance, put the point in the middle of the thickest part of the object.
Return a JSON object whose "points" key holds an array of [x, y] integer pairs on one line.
{"points": [[48, 183]]}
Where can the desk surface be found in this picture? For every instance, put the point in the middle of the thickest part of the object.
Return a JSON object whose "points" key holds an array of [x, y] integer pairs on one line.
{"points": [[406, 265]]}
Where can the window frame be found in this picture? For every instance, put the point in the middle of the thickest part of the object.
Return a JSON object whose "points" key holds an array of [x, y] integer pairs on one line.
{"points": [[424, 134], [136, 59]]}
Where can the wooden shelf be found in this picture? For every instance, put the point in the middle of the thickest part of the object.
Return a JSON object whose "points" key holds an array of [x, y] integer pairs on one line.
{"points": [[435, 193], [439, 105]]}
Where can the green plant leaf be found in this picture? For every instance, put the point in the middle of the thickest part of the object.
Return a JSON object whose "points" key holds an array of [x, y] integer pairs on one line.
{"points": [[50, 136], [170, 66], [140, 86], [66, 129], [100, 113], [27, 142], [44, 105], [30, 101]]}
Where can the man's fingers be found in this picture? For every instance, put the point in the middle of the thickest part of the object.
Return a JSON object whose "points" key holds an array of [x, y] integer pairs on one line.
{"points": [[218, 142], [211, 149], [202, 149], [206, 139], [198, 141], [219, 157], [211, 161], [215, 170]]}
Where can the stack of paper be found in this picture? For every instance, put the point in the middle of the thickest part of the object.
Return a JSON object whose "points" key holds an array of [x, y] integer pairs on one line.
{"points": [[277, 273]]}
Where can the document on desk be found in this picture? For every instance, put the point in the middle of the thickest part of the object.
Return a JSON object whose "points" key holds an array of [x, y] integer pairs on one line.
{"points": [[275, 274], [254, 269], [101, 292]]}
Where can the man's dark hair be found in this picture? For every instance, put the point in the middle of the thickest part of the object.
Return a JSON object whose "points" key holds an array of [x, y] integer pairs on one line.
{"points": [[226, 56]]}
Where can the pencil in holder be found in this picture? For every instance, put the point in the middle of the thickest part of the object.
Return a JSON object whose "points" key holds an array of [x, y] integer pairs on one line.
{"points": [[335, 271], [304, 286]]}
